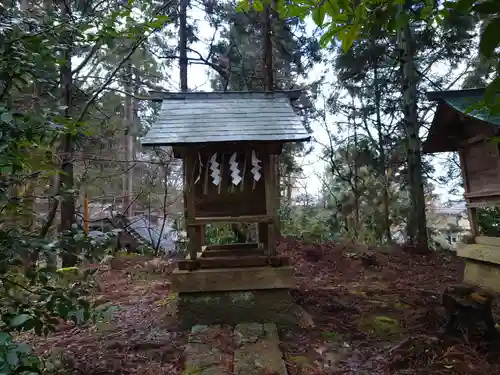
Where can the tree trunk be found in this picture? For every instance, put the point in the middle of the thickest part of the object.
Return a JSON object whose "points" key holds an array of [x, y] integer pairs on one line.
{"points": [[268, 49], [289, 188], [269, 86], [356, 176], [135, 112], [66, 178], [383, 159], [417, 224], [183, 78], [128, 176], [183, 61]]}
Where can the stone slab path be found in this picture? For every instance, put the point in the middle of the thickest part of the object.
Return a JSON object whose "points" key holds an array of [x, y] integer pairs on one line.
{"points": [[248, 349]]}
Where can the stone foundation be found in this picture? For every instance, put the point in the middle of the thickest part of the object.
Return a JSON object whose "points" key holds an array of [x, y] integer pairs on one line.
{"points": [[235, 295], [236, 307], [232, 279]]}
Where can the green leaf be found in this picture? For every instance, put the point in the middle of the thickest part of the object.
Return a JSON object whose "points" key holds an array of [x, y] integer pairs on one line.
{"points": [[492, 96], [296, 11], [5, 338], [7, 118], [163, 18], [24, 348], [67, 270], [12, 358], [461, 5], [19, 320], [402, 19], [157, 24], [79, 316], [281, 10], [490, 39], [426, 12], [487, 7], [328, 36], [318, 15], [258, 6], [350, 36], [332, 9], [243, 6], [28, 370]]}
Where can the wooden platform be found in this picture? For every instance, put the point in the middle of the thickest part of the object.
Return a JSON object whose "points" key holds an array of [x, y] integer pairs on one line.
{"points": [[223, 250], [232, 279], [218, 262], [231, 256], [482, 263]]}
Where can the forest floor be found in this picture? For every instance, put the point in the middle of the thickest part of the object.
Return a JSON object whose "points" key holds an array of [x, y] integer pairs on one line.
{"points": [[373, 314]]}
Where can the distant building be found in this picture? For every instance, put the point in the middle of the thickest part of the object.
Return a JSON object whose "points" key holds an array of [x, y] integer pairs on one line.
{"points": [[449, 222]]}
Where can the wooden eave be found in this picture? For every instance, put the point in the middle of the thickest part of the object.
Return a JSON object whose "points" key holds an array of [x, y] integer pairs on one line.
{"points": [[273, 147], [445, 131], [452, 117]]}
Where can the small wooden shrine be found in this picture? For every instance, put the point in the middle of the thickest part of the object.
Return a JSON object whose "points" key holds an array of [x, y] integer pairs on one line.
{"points": [[456, 128], [229, 143]]}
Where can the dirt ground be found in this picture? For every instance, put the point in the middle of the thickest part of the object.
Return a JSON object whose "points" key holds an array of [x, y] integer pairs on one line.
{"points": [[375, 312]]}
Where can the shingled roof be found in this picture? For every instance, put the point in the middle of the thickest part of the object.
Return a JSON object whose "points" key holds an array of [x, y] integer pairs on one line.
{"points": [[196, 117]]}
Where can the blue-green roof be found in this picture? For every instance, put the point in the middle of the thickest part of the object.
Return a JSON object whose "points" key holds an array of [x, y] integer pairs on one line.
{"points": [[453, 108], [465, 105]]}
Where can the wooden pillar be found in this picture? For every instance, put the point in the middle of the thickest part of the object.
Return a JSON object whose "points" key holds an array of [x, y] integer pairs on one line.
{"points": [[263, 234], [271, 200], [275, 160], [193, 232], [471, 211], [86, 213], [203, 233]]}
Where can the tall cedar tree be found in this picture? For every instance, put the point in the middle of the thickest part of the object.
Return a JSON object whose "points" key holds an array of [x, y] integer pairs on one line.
{"points": [[370, 68], [239, 55]]}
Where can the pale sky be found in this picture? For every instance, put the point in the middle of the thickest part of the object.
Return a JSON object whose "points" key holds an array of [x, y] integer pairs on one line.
{"points": [[313, 167]]}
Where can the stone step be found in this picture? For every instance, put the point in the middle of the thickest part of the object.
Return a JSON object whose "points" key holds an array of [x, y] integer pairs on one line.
{"points": [[257, 350], [251, 349]]}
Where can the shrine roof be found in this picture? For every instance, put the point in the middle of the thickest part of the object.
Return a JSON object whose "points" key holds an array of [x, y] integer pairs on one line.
{"points": [[200, 117], [455, 108]]}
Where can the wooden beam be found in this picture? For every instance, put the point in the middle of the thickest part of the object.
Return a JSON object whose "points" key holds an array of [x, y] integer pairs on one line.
{"points": [[482, 194], [231, 253], [232, 262], [489, 241], [483, 204], [483, 253], [273, 147], [230, 219], [470, 141], [231, 246]]}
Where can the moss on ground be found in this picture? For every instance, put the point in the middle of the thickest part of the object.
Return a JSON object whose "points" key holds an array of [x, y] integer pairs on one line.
{"points": [[381, 326]]}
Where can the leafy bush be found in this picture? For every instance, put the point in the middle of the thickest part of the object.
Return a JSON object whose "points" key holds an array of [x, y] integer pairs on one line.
{"points": [[37, 298], [219, 234], [489, 221], [306, 224], [36, 295]]}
